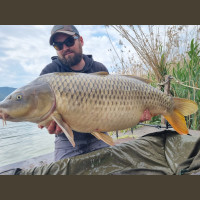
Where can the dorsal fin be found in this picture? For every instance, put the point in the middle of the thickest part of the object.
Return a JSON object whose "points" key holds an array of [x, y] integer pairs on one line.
{"points": [[64, 73], [139, 78], [100, 73]]}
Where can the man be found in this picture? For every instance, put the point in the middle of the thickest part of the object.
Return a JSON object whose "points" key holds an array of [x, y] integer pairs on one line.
{"points": [[68, 44]]}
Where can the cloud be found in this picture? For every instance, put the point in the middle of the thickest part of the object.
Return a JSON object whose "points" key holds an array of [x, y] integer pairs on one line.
{"points": [[28, 47], [25, 50], [96, 42]]}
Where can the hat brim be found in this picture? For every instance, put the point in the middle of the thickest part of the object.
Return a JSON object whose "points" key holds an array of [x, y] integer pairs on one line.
{"points": [[65, 32]]}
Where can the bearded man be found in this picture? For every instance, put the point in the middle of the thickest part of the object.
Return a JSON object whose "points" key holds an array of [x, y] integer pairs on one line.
{"points": [[68, 45]]}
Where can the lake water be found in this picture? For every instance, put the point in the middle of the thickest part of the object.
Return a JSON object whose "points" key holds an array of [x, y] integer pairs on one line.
{"points": [[23, 140]]}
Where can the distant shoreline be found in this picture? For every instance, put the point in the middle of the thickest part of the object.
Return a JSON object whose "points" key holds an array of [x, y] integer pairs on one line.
{"points": [[5, 91]]}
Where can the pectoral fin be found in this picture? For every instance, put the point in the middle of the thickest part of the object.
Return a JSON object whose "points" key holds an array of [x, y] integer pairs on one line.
{"points": [[102, 136], [65, 128]]}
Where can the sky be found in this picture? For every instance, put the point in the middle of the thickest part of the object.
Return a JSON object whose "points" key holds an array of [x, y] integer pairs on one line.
{"points": [[25, 50]]}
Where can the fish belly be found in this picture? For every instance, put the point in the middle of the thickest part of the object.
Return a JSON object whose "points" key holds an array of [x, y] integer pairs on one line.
{"points": [[102, 119]]}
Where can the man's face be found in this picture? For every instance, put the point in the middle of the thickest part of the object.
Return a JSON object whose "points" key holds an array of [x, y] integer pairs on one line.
{"points": [[69, 56]]}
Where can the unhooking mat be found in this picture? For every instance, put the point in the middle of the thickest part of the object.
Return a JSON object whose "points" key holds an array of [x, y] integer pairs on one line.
{"points": [[160, 153]]}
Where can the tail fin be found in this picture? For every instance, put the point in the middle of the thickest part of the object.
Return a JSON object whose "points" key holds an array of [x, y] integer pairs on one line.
{"points": [[182, 107]]}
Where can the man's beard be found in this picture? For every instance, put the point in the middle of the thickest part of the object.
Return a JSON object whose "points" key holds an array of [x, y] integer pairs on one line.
{"points": [[71, 60]]}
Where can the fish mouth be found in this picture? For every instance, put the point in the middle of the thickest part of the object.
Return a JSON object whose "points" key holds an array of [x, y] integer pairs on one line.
{"points": [[4, 117]]}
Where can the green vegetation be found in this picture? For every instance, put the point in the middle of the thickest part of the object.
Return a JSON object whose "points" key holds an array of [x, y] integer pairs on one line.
{"points": [[188, 74], [158, 51]]}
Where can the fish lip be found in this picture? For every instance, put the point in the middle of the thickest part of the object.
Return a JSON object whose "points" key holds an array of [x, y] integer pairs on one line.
{"points": [[4, 116]]}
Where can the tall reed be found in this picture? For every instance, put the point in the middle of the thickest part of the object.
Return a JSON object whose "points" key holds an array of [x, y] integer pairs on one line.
{"points": [[188, 74], [163, 50]]}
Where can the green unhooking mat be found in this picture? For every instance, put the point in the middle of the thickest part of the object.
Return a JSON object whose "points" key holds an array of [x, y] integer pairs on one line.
{"points": [[160, 153]]}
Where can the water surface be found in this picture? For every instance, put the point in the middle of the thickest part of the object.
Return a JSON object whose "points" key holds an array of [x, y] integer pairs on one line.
{"points": [[23, 140]]}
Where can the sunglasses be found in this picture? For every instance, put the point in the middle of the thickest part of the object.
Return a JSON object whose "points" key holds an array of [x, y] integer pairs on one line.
{"points": [[69, 42]]}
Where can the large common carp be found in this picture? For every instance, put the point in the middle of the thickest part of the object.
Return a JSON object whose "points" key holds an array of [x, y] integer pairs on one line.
{"points": [[92, 103]]}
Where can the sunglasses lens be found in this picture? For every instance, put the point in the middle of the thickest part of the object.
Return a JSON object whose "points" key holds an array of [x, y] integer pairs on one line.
{"points": [[69, 41], [57, 46]]}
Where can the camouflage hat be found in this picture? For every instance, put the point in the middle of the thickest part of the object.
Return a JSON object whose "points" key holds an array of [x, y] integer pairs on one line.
{"points": [[67, 29]]}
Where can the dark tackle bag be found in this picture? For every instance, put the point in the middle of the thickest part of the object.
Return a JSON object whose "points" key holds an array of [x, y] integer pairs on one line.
{"points": [[160, 153]]}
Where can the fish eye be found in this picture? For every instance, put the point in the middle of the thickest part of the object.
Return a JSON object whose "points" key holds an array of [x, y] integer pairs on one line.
{"points": [[19, 97]]}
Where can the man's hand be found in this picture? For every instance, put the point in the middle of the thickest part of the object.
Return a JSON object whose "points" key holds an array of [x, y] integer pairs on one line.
{"points": [[146, 116], [52, 128]]}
